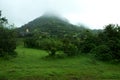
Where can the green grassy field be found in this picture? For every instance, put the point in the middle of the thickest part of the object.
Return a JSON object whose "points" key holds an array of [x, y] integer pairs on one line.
{"points": [[30, 64]]}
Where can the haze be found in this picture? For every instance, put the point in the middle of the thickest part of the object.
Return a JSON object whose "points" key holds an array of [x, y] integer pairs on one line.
{"points": [[93, 13]]}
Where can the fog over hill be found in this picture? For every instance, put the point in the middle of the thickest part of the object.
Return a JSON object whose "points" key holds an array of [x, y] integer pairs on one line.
{"points": [[52, 24], [93, 13]]}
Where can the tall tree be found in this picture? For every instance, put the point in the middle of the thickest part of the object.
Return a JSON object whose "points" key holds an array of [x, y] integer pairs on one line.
{"points": [[110, 38], [7, 38]]}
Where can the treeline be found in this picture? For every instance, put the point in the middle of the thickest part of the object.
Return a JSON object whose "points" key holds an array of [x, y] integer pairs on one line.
{"points": [[108, 43], [103, 46]]}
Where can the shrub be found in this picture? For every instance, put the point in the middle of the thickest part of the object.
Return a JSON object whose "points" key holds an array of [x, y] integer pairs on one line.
{"points": [[30, 42], [86, 47], [102, 52], [51, 45], [7, 41], [110, 37], [70, 49]]}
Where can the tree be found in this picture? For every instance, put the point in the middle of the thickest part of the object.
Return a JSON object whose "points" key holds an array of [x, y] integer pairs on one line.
{"points": [[7, 39], [110, 37], [102, 52], [51, 45], [70, 49], [88, 41]]}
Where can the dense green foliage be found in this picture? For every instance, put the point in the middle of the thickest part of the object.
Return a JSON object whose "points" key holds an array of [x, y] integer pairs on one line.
{"points": [[70, 49], [109, 43], [50, 45], [7, 39], [102, 52]]}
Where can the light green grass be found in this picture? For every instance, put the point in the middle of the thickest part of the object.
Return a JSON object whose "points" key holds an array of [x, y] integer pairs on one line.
{"points": [[31, 65]]}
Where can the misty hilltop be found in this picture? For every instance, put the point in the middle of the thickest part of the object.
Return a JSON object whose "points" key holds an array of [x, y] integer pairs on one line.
{"points": [[49, 23]]}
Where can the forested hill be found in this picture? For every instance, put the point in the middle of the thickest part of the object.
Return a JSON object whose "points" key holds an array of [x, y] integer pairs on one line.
{"points": [[52, 25]]}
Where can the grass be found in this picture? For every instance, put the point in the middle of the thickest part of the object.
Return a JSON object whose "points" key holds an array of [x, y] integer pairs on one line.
{"points": [[30, 64]]}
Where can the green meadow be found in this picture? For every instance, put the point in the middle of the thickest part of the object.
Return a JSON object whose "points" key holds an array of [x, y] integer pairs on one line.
{"points": [[32, 64]]}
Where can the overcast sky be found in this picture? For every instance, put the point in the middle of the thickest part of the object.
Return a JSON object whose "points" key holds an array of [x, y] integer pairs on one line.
{"points": [[93, 13]]}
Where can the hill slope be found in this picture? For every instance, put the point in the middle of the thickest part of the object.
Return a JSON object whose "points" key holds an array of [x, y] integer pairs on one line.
{"points": [[51, 24]]}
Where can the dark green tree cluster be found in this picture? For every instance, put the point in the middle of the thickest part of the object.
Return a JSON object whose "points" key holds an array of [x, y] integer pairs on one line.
{"points": [[87, 41], [50, 44], [105, 45], [108, 47], [7, 38]]}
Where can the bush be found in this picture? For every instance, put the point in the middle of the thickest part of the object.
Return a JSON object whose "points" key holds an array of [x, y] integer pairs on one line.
{"points": [[30, 42], [110, 37], [114, 46], [86, 47], [51, 45], [70, 49], [7, 41], [102, 52]]}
